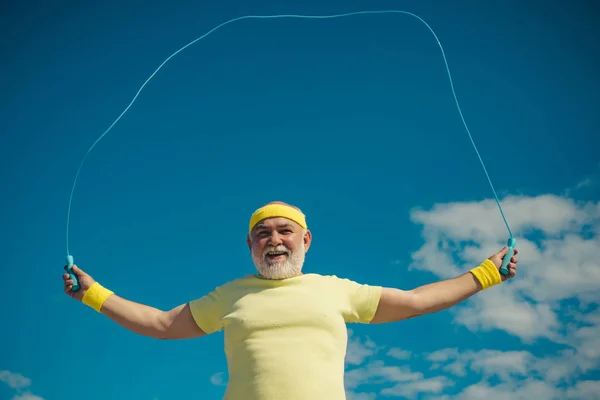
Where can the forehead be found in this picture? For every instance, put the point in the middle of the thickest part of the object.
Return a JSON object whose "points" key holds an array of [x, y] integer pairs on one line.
{"points": [[275, 223]]}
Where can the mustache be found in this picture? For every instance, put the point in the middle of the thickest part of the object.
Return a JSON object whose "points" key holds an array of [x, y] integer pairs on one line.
{"points": [[280, 248]]}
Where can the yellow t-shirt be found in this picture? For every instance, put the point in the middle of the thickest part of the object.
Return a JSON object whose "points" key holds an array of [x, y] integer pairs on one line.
{"points": [[286, 339]]}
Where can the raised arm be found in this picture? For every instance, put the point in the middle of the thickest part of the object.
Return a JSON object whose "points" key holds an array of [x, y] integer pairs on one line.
{"points": [[177, 323], [396, 304]]}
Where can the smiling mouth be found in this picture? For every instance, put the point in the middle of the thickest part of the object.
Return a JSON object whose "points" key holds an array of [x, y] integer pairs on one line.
{"points": [[272, 255]]}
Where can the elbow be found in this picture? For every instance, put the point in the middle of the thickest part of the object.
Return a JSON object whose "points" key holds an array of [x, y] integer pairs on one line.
{"points": [[424, 303], [160, 327], [154, 333], [160, 335], [416, 304]]}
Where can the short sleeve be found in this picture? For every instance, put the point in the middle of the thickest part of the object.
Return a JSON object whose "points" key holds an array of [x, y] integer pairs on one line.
{"points": [[362, 300], [207, 311]]}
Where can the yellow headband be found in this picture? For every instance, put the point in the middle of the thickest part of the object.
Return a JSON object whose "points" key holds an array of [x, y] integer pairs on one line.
{"points": [[277, 210]]}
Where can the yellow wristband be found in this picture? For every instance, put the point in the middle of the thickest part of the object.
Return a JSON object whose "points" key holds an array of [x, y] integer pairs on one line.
{"points": [[487, 274], [95, 296]]}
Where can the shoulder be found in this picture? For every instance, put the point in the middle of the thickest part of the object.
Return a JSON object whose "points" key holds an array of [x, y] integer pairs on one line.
{"points": [[235, 285], [318, 279], [342, 284], [359, 301], [209, 309], [225, 292], [339, 281]]}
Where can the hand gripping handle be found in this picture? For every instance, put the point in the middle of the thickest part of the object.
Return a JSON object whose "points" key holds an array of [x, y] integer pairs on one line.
{"points": [[72, 276], [511, 251]]}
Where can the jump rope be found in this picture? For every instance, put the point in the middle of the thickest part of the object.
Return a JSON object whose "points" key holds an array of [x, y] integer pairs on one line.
{"points": [[511, 241]]}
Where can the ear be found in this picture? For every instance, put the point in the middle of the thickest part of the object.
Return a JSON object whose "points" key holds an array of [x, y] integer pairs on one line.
{"points": [[307, 240], [249, 242]]}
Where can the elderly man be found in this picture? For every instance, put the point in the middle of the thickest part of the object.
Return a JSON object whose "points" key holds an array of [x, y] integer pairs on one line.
{"points": [[284, 331]]}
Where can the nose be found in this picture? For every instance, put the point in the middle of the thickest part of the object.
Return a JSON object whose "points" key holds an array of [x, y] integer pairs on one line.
{"points": [[275, 239]]}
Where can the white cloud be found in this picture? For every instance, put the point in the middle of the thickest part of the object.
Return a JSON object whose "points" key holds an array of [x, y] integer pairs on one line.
{"points": [[589, 390], [587, 338], [377, 371], [360, 396], [14, 380], [395, 379], [218, 379], [466, 221], [503, 308], [589, 182], [399, 353], [554, 297], [501, 374], [362, 368], [421, 386], [18, 382], [502, 364], [583, 183], [27, 396], [529, 389], [359, 350], [457, 367], [559, 258], [443, 355]]}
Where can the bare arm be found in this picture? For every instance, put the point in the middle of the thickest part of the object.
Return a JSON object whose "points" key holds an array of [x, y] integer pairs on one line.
{"points": [[177, 323], [396, 304]]}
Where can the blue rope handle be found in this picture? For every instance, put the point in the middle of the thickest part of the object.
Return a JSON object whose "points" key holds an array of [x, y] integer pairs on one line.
{"points": [[511, 241]]}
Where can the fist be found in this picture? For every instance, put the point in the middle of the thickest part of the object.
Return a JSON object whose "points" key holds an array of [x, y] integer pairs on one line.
{"points": [[512, 265], [85, 281]]}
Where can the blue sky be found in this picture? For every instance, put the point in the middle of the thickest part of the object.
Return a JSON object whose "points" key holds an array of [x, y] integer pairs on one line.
{"points": [[350, 119]]}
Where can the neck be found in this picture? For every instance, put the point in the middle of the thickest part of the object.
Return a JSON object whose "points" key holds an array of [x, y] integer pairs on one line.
{"points": [[261, 276]]}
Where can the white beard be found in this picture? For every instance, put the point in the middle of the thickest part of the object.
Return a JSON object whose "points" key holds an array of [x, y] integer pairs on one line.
{"points": [[288, 268]]}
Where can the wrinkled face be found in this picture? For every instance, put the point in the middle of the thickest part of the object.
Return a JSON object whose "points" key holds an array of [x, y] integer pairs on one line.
{"points": [[278, 247]]}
